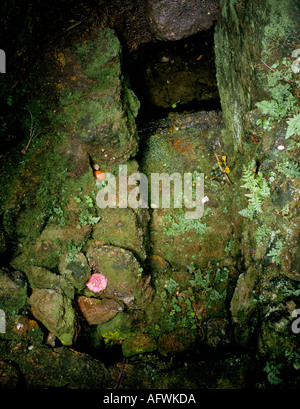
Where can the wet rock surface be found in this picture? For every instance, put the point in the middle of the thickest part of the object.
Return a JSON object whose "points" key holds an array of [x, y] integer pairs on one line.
{"points": [[98, 311]]}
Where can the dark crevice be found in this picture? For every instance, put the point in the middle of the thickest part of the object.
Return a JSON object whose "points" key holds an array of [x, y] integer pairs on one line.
{"points": [[174, 76]]}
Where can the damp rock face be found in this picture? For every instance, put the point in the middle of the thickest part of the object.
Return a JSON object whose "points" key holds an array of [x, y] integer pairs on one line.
{"points": [[256, 31], [56, 313], [230, 277], [267, 291], [176, 19], [176, 341], [93, 118], [122, 228]]}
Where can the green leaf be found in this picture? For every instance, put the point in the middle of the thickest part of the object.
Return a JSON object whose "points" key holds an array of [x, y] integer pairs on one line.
{"points": [[293, 126]]}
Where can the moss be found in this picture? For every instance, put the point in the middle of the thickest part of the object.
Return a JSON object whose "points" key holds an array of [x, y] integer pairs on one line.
{"points": [[116, 330], [95, 104], [250, 32], [282, 26], [120, 227], [93, 55], [13, 293], [138, 344], [131, 100]]}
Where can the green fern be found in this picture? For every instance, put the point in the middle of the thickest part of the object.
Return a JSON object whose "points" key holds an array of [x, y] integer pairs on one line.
{"points": [[262, 235], [183, 225], [289, 168], [276, 252], [258, 191], [283, 88]]}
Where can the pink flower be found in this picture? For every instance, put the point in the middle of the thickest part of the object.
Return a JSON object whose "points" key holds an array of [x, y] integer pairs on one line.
{"points": [[97, 283]]}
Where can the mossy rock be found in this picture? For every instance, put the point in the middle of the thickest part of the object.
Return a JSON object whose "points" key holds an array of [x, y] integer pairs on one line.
{"points": [[178, 341], [171, 233], [121, 228], [40, 277], [91, 107], [243, 303], [94, 118], [256, 31], [43, 368], [138, 344], [55, 311], [75, 269], [276, 340], [123, 273], [116, 330]]}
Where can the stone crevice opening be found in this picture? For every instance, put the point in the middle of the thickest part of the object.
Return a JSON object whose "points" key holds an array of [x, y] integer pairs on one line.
{"points": [[174, 76]]}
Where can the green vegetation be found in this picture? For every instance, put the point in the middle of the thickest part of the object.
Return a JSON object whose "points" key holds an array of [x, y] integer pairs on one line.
{"points": [[93, 55], [283, 87], [258, 190], [289, 167], [72, 250], [179, 224], [273, 370], [212, 284], [86, 217], [178, 306], [181, 303]]}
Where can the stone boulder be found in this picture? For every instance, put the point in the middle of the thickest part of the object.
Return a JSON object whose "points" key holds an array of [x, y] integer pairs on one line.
{"points": [[189, 148], [42, 367], [122, 228], [177, 19], [75, 269], [40, 277], [98, 311], [242, 304], [55, 311]]}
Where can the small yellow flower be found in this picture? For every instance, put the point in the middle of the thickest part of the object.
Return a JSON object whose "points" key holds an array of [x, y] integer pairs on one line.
{"points": [[227, 170], [219, 162], [224, 158]]}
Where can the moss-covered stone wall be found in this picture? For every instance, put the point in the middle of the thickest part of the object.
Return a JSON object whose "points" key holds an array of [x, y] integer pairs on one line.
{"points": [[249, 34], [255, 44]]}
